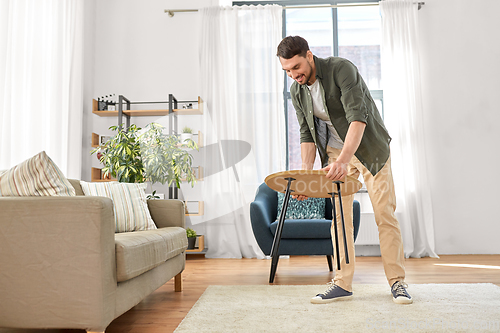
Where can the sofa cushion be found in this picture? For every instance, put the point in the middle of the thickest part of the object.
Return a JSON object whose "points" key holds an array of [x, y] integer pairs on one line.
{"points": [[37, 176], [311, 208], [301, 228], [129, 204], [140, 251]]}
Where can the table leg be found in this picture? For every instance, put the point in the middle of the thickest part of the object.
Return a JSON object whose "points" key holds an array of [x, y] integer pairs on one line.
{"points": [[346, 251], [274, 266], [330, 263], [334, 213], [279, 231]]}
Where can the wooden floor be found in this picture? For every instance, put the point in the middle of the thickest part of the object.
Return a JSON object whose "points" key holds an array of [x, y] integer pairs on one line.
{"points": [[164, 309]]}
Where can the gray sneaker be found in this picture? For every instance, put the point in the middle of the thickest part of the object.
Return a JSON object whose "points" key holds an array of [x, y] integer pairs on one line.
{"points": [[333, 293], [399, 293]]}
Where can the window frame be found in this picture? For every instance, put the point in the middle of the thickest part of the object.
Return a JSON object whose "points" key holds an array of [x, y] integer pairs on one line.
{"points": [[377, 94]]}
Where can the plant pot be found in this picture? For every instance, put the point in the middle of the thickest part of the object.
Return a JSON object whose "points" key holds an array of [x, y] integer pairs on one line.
{"points": [[191, 243], [185, 136]]}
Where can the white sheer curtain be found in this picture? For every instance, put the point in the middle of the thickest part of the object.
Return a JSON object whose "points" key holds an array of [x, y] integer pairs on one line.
{"points": [[403, 117], [242, 85], [41, 82]]}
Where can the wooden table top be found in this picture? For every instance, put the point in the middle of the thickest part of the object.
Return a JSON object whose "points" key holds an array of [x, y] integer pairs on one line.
{"points": [[311, 183]]}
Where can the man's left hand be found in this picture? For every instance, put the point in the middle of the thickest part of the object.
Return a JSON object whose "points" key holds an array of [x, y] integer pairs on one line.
{"points": [[336, 170]]}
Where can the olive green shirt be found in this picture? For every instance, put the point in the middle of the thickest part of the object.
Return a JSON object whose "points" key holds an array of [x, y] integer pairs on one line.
{"points": [[347, 99]]}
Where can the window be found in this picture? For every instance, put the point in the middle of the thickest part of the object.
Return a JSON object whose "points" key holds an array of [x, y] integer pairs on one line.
{"points": [[353, 33]]}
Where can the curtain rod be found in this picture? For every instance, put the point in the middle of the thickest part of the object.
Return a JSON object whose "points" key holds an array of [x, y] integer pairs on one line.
{"points": [[172, 11]]}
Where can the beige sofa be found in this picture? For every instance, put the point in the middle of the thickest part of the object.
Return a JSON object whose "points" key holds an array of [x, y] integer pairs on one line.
{"points": [[62, 265]]}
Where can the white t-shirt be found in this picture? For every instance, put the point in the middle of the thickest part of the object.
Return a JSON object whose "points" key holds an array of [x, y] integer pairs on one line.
{"points": [[319, 111]]}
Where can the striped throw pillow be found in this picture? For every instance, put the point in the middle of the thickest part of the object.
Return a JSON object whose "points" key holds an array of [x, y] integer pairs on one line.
{"points": [[37, 176], [129, 204]]}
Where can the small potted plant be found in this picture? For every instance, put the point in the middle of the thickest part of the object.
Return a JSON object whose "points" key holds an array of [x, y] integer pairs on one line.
{"points": [[187, 134], [191, 235]]}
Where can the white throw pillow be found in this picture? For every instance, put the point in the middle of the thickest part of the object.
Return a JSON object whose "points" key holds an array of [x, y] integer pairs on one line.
{"points": [[37, 176], [129, 204]]}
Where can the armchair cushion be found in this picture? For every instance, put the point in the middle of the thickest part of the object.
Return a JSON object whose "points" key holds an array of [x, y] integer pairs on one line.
{"points": [[311, 208], [300, 228]]}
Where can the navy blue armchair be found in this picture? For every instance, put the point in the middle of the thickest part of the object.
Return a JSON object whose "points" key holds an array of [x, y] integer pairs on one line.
{"points": [[300, 237]]}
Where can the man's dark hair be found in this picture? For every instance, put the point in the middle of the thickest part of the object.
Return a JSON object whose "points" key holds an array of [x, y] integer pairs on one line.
{"points": [[291, 46]]}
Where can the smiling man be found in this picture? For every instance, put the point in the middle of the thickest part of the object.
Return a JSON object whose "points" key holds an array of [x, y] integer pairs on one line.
{"points": [[338, 117]]}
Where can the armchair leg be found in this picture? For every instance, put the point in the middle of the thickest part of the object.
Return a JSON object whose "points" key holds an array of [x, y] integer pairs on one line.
{"points": [[178, 282], [330, 263]]}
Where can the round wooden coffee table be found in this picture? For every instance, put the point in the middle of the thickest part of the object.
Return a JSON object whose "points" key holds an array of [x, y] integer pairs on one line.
{"points": [[311, 183]]}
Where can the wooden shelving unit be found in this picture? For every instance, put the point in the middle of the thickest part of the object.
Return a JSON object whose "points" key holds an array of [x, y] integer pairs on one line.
{"points": [[96, 176], [200, 249], [198, 111], [95, 140], [199, 139], [143, 113], [198, 213], [199, 174], [197, 251], [96, 173]]}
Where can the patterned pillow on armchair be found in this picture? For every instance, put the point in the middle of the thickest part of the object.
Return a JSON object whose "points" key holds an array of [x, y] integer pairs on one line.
{"points": [[311, 208]]}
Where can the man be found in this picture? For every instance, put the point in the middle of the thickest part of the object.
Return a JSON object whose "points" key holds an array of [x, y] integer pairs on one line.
{"points": [[338, 116]]}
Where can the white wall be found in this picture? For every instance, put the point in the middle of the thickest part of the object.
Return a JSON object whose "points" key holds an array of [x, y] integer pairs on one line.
{"points": [[134, 49], [460, 63]]}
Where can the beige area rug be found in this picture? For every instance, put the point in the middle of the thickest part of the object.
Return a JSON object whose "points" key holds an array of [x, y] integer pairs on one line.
{"points": [[268, 308]]}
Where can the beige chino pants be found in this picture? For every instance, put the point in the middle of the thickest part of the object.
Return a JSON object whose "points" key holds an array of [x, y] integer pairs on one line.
{"points": [[382, 195]]}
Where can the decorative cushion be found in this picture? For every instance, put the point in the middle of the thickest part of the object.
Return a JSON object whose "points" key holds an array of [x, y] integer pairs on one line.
{"points": [[311, 208], [139, 252], [37, 176], [129, 204]]}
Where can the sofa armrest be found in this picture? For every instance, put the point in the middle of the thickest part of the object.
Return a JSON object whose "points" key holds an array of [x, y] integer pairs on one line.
{"points": [[168, 213], [57, 259]]}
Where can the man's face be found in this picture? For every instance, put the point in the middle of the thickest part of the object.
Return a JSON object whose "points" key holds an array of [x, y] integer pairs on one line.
{"points": [[299, 68]]}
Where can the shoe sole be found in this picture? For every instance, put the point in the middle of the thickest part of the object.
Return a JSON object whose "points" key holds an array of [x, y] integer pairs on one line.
{"points": [[402, 300], [329, 300]]}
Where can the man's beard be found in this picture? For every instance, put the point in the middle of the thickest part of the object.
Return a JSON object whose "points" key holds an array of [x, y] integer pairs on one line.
{"points": [[307, 78]]}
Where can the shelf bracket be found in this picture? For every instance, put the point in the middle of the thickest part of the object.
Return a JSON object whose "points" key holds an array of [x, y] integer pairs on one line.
{"points": [[121, 98]]}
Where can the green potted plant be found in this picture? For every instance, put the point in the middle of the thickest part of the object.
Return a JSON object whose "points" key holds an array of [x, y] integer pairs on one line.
{"points": [[137, 155], [187, 134], [121, 156], [191, 235]]}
